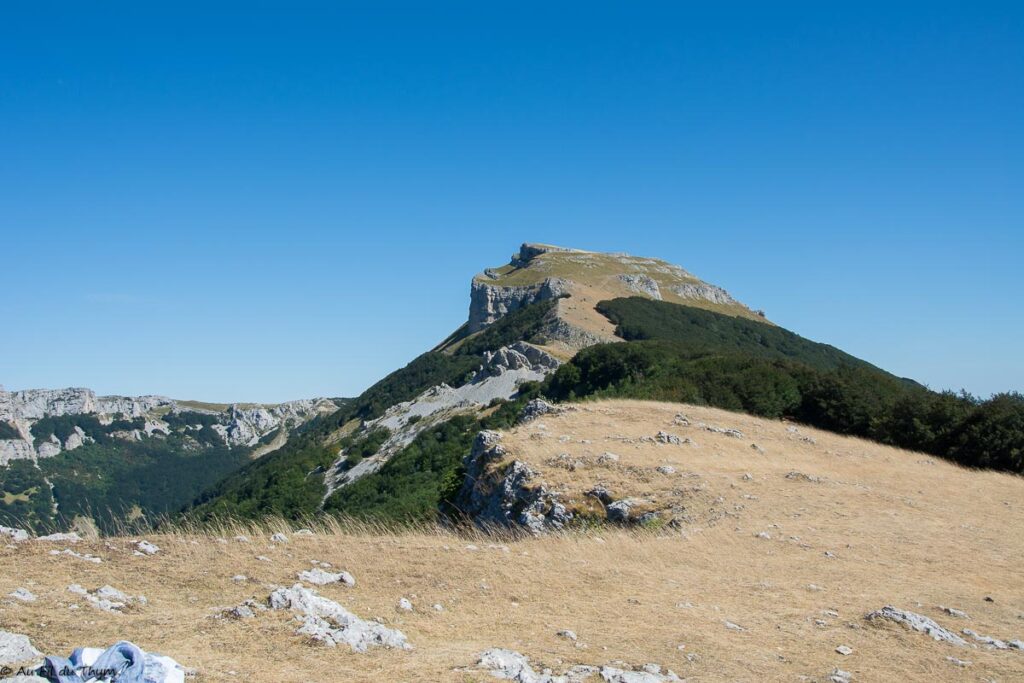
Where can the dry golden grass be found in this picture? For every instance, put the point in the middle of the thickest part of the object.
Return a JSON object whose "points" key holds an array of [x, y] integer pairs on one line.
{"points": [[905, 528]]}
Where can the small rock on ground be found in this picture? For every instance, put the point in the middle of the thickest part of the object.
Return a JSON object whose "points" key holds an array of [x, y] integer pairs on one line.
{"points": [[147, 548], [917, 622], [319, 577], [328, 622]]}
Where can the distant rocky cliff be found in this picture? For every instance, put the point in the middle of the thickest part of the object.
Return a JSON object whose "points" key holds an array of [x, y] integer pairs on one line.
{"points": [[34, 404], [238, 425]]}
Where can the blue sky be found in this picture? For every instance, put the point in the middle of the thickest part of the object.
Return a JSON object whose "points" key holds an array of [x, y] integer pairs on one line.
{"points": [[266, 201]]}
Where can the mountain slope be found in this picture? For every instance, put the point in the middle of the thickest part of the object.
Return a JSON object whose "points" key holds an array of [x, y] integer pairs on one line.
{"points": [[68, 455], [857, 526], [569, 324]]}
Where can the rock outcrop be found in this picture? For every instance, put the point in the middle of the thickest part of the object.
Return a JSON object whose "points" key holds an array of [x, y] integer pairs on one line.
{"points": [[488, 302], [917, 622], [245, 426], [705, 292], [510, 665], [642, 284], [16, 649], [327, 622], [35, 404], [504, 494]]}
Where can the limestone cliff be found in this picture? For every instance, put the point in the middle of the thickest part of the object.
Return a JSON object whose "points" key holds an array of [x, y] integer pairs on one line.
{"points": [[238, 424]]}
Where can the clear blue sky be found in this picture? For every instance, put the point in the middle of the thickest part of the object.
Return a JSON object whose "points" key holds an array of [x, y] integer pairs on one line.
{"points": [[269, 201]]}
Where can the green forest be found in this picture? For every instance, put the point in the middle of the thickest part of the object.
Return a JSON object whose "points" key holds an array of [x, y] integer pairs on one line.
{"points": [[679, 353], [118, 483]]}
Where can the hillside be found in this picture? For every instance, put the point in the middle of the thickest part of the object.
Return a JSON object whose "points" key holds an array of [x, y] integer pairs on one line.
{"points": [[69, 457], [775, 558], [568, 324]]}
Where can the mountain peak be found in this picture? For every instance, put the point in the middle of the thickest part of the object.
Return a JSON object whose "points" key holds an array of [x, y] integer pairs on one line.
{"points": [[583, 278]]}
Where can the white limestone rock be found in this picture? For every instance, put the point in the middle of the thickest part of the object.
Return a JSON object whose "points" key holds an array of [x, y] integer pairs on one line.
{"points": [[917, 622], [146, 548], [642, 284], [510, 499], [69, 537], [16, 649], [107, 598], [706, 292], [328, 622], [319, 577]]}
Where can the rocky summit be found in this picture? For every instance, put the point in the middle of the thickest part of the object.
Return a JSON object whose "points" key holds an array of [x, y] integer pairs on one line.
{"points": [[579, 279]]}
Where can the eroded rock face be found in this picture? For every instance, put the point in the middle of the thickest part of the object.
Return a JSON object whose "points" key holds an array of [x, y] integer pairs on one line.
{"points": [[34, 404], [703, 290], [505, 495], [11, 449], [244, 426], [488, 302], [642, 284]]}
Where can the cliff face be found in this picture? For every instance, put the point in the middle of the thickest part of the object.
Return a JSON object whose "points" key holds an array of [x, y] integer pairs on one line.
{"points": [[35, 404], [488, 302], [238, 425]]}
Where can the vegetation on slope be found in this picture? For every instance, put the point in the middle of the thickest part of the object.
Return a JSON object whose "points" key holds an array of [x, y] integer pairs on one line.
{"points": [[7, 431], [703, 331], [109, 480], [63, 426], [421, 480], [673, 353], [774, 373], [289, 482]]}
